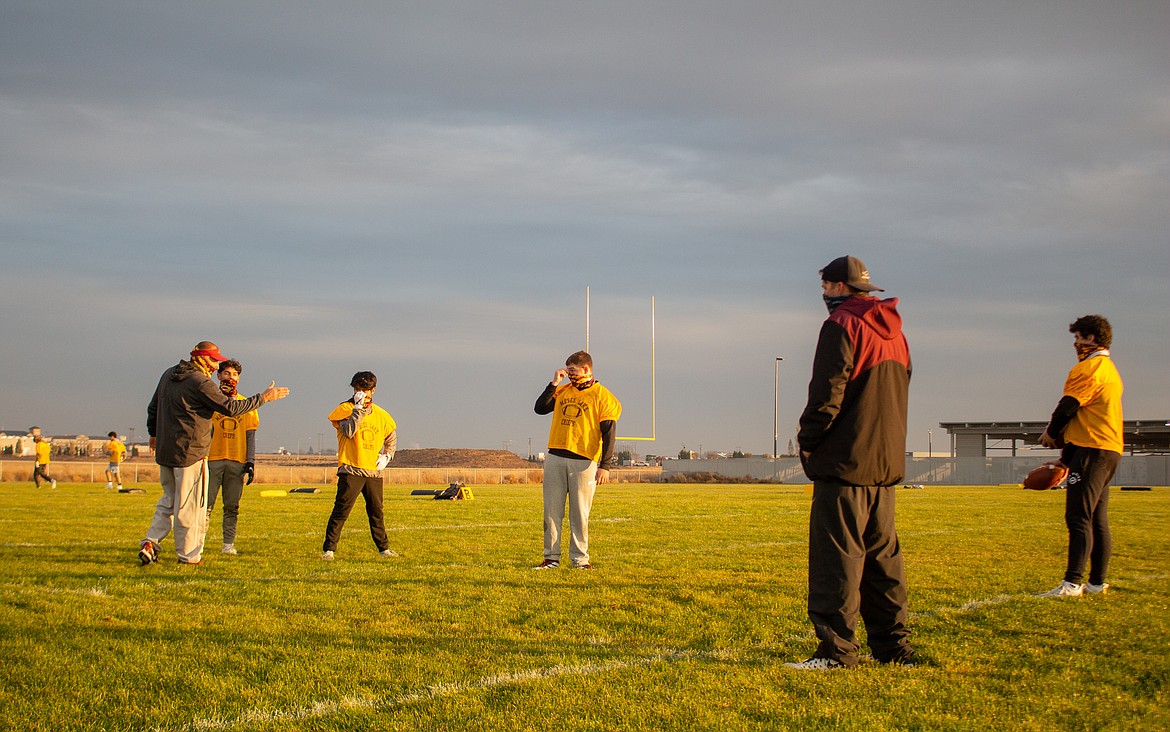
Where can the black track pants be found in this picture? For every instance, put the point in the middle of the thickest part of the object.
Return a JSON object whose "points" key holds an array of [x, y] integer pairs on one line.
{"points": [[1086, 512], [349, 487], [855, 568]]}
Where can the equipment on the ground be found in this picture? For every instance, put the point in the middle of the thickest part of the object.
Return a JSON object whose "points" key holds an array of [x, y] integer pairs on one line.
{"points": [[132, 490], [273, 494], [1046, 477], [304, 490], [455, 492]]}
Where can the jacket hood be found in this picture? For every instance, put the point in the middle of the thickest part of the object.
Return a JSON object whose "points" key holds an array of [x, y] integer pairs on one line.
{"points": [[184, 370], [880, 315]]}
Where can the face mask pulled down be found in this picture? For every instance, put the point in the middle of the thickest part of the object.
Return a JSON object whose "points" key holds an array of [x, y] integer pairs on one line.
{"points": [[1084, 350], [581, 381]]}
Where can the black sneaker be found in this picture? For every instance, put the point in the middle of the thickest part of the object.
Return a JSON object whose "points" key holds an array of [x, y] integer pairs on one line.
{"points": [[148, 554], [816, 664]]}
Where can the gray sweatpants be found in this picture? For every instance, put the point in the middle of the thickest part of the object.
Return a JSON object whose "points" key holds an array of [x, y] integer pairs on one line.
{"points": [[574, 481], [183, 503], [229, 475]]}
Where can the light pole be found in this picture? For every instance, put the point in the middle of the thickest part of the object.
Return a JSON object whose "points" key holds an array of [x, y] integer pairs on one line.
{"points": [[776, 419], [930, 453]]}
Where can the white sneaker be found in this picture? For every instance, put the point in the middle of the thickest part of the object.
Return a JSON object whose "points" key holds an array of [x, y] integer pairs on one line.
{"points": [[1066, 589], [54, 484], [388, 553], [109, 485], [230, 549], [816, 664], [327, 556], [1100, 589]]}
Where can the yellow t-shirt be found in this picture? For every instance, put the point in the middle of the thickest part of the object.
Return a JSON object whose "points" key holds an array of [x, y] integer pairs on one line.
{"points": [[229, 435], [577, 418], [115, 451], [1097, 386], [43, 451], [361, 451]]}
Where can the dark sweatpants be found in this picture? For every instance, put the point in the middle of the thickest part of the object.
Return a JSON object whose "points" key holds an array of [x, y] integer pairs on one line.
{"points": [[349, 487], [41, 472], [855, 566], [1086, 511]]}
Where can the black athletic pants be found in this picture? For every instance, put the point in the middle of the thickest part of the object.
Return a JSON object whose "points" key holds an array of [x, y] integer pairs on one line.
{"points": [[349, 487], [855, 567], [1086, 511], [41, 472]]}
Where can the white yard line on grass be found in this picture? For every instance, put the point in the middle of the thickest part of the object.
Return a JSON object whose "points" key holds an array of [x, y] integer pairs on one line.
{"points": [[716, 549], [971, 605], [438, 691], [85, 591]]}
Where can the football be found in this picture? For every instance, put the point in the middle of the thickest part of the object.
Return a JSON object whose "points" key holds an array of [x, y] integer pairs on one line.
{"points": [[1046, 477]]}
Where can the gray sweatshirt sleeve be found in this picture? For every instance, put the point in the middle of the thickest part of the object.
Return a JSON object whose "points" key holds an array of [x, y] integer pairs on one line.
{"points": [[349, 425]]}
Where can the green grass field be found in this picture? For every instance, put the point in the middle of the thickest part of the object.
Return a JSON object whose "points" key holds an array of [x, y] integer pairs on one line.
{"points": [[697, 600]]}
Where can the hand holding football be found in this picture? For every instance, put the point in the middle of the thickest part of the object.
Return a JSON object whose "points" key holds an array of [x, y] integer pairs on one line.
{"points": [[1046, 477]]}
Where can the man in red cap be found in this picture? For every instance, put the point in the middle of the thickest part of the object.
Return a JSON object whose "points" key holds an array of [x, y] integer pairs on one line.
{"points": [[178, 420]]}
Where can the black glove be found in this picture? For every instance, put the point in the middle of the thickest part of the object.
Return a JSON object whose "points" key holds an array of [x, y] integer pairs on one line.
{"points": [[250, 471]]}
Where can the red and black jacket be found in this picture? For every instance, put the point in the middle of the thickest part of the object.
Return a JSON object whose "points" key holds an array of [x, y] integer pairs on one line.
{"points": [[854, 425]]}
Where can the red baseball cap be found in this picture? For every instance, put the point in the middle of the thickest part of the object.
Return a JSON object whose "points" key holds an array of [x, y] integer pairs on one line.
{"points": [[212, 353]]}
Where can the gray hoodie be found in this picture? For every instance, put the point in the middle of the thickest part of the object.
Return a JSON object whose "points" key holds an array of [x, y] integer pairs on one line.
{"points": [[179, 414]]}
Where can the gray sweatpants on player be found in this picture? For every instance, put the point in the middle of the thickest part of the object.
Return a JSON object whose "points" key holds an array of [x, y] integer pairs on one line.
{"points": [[229, 475], [574, 481], [183, 504]]}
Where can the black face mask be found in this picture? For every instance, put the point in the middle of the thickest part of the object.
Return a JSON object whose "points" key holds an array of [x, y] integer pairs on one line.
{"points": [[832, 302]]}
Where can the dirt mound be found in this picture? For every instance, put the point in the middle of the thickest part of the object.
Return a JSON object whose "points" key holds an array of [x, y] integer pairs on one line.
{"points": [[458, 458]]}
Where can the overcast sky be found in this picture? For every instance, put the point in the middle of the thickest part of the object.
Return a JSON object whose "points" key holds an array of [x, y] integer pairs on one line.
{"points": [[425, 190]]}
